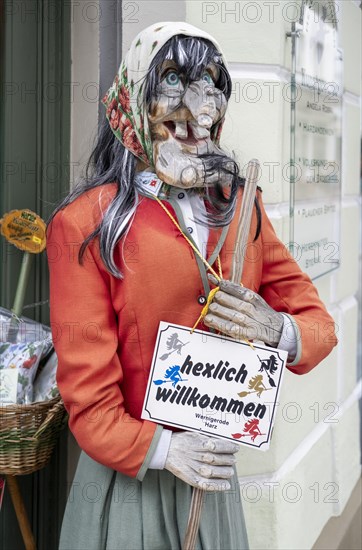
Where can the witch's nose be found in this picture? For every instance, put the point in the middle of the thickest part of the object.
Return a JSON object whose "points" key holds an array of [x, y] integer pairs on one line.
{"points": [[200, 101]]}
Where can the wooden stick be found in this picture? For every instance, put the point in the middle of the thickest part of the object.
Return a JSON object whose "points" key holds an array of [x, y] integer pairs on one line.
{"points": [[251, 182], [194, 519], [20, 295], [20, 511]]}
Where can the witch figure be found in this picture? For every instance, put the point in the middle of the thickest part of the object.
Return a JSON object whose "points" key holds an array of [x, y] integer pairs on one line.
{"points": [[122, 258]]}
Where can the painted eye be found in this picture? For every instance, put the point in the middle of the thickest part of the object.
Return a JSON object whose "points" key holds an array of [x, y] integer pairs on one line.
{"points": [[207, 78], [172, 78]]}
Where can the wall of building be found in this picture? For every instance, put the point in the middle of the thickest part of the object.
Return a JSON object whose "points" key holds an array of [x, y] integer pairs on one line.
{"points": [[291, 491], [85, 19]]}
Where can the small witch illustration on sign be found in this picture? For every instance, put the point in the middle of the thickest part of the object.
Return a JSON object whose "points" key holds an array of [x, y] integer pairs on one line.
{"points": [[256, 385], [270, 365], [173, 375], [174, 344], [251, 428]]}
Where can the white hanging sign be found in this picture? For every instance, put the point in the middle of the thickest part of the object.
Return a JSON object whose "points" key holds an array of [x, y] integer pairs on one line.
{"points": [[215, 385]]}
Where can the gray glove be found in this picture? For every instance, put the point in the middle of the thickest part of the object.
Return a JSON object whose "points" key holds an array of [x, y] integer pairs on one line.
{"points": [[201, 461], [241, 313]]}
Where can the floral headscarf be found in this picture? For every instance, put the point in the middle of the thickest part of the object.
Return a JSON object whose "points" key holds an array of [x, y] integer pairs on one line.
{"points": [[124, 99]]}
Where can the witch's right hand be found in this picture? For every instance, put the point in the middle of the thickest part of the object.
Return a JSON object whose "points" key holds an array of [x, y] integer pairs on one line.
{"points": [[202, 461]]}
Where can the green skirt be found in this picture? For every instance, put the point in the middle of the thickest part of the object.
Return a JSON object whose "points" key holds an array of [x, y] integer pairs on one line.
{"points": [[107, 510]]}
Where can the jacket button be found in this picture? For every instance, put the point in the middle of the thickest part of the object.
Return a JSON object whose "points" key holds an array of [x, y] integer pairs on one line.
{"points": [[190, 230], [181, 195], [202, 300]]}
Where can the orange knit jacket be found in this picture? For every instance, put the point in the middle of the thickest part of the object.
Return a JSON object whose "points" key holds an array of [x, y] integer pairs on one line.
{"points": [[104, 328]]}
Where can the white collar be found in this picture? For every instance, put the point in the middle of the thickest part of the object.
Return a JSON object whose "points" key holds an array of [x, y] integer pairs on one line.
{"points": [[149, 182]]}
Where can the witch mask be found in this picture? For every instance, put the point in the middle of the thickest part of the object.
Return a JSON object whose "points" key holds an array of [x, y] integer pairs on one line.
{"points": [[168, 101], [181, 117]]}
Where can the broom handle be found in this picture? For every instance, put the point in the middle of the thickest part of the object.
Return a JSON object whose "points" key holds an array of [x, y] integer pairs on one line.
{"points": [[246, 210], [251, 182], [193, 524]]}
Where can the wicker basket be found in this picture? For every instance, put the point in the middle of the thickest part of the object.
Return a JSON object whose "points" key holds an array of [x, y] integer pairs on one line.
{"points": [[28, 434]]}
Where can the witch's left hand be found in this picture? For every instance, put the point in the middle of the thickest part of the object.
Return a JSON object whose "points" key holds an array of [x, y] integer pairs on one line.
{"points": [[241, 313]]}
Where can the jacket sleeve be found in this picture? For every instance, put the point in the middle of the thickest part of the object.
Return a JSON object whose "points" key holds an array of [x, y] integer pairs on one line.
{"points": [[89, 372], [289, 290]]}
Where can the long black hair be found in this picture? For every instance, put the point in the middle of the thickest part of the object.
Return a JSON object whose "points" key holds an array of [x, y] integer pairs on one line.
{"points": [[111, 162]]}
